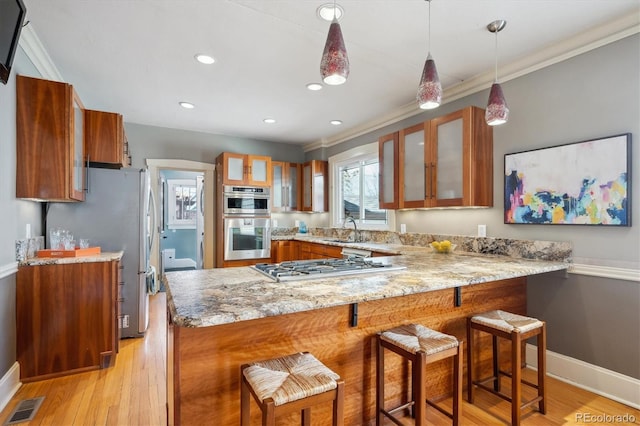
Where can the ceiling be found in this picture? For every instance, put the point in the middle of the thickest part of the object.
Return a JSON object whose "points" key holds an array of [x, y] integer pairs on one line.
{"points": [[136, 57]]}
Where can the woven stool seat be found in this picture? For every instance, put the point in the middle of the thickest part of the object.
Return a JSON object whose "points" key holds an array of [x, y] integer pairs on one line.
{"points": [[290, 378], [287, 384], [415, 337], [506, 321]]}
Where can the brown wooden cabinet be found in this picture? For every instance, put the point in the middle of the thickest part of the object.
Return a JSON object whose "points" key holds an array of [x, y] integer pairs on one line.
{"points": [[284, 250], [49, 141], [285, 186], [242, 169], [388, 149], [66, 318], [307, 250], [315, 184], [443, 162], [105, 139]]}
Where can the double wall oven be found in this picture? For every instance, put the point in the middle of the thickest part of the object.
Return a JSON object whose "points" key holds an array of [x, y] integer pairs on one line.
{"points": [[247, 222]]}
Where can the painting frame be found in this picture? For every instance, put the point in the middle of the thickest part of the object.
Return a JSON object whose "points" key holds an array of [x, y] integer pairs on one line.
{"points": [[578, 183]]}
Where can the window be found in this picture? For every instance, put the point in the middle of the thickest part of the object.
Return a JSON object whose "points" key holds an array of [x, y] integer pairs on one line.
{"points": [[355, 187], [181, 203]]}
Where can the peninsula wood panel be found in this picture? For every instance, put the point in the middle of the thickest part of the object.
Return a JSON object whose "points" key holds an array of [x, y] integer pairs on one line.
{"points": [[206, 361], [66, 318]]}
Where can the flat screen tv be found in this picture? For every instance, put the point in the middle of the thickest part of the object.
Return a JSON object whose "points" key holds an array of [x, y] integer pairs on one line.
{"points": [[12, 14]]}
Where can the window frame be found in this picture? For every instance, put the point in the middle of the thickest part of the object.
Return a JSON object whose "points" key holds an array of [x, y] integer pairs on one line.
{"points": [[351, 156], [172, 222]]}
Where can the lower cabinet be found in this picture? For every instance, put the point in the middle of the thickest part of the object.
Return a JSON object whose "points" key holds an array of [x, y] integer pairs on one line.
{"points": [[66, 318]]}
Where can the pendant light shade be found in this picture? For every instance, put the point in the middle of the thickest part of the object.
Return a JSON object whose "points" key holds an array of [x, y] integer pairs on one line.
{"points": [[430, 90], [497, 111], [334, 66]]}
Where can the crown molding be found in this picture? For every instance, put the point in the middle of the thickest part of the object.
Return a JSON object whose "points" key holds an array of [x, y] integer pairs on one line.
{"points": [[588, 40], [37, 54]]}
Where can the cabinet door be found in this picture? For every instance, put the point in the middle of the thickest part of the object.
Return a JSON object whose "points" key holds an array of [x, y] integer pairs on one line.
{"points": [[105, 139], [388, 156], [413, 168], [235, 168], [445, 162], [314, 186], [259, 171], [292, 191], [49, 141], [278, 186]]}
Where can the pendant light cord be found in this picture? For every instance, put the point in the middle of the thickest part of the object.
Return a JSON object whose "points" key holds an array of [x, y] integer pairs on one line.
{"points": [[429, 28], [334, 10], [496, 67]]}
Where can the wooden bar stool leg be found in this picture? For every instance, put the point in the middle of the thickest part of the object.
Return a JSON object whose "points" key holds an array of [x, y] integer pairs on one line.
{"points": [[496, 363], [469, 362], [305, 417], [269, 413], [516, 378], [338, 405], [457, 385], [420, 398], [244, 400], [379, 382], [542, 368]]}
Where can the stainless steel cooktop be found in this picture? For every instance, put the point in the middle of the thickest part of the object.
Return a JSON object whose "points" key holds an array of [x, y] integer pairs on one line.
{"points": [[321, 268]]}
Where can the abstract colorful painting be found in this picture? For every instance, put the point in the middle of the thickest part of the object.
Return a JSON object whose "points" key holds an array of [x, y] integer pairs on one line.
{"points": [[583, 183]]}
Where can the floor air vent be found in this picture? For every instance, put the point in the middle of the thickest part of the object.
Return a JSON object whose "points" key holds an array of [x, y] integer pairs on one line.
{"points": [[25, 410]]}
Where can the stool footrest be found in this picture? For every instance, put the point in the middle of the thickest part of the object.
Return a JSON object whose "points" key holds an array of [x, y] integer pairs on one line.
{"points": [[389, 415], [442, 410], [481, 385]]}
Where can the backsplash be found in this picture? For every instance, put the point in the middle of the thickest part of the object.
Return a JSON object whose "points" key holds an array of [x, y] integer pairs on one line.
{"points": [[524, 249]]}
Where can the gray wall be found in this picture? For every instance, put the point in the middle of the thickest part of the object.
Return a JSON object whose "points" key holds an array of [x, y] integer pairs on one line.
{"points": [[592, 95], [164, 143], [14, 214]]}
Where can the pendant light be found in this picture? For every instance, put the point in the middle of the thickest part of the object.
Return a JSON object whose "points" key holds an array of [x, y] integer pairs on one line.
{"points": [[334, 66], [430, 90], [497, 111]]}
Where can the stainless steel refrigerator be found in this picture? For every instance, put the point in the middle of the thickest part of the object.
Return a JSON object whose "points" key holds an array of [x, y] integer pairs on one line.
{"points": [[117, 214]]}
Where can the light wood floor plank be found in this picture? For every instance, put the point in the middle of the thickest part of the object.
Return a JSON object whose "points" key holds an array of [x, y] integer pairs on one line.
{"points": [[133, 393]]}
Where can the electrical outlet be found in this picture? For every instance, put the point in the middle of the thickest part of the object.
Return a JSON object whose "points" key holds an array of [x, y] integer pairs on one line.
{"points": [[403, 228], [125, 321], [482, 230]]}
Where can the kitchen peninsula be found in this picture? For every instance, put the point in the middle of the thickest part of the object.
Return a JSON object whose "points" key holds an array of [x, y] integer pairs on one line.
{"points": [[219, 319]]}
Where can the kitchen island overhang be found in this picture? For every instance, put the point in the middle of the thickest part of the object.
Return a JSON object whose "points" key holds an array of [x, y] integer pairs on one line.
{"points": [[222, 318]]}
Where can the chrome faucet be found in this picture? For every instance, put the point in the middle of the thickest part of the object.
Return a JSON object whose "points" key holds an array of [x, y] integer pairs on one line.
{"points": [[356, 233]]}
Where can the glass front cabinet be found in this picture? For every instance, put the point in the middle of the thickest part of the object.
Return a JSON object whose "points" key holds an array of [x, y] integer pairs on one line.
{"points": [[444, 162]]}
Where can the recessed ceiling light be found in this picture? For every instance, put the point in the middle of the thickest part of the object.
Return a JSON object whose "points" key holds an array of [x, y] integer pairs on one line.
{"points": [[336, 122], [204, 59], [187, 105], [326, 11], [314, 86], [269, 120]]}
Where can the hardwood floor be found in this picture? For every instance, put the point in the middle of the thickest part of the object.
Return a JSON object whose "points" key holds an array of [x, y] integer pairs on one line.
{"points": [[133, 393]]}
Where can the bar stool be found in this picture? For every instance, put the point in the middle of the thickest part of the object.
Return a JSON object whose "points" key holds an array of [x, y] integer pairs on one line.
{"points": [[421, 346], [290, 383], [516, 328]]}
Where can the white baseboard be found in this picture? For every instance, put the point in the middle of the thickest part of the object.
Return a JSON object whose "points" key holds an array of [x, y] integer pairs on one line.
{"points": [[598, 380], [9, 385]]}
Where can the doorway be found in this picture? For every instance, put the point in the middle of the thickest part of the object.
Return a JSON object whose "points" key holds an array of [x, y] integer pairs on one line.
{"points": [[204, 253]]}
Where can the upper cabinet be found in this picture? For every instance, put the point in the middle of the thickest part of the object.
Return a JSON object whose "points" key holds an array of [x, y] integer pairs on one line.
{"points": [[49, 141], [105, 139], [285, 187], [315, 186], [241, 169], [443, 162]]}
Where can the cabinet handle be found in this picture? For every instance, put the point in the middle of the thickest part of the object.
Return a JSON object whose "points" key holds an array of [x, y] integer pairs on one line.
{"points": [[121, 299], [427, 180], [433, 178], [86, 177]]}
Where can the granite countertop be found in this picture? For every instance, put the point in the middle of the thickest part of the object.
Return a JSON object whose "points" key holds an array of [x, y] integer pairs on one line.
{"points": [[225, 295], [102, 257]]}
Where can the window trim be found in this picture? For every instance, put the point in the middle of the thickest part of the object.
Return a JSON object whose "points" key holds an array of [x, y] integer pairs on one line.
{"points": [[350, 156], [172, 222]]}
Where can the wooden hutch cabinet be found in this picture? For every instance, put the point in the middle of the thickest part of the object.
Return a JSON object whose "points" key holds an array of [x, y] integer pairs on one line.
{"points": [[315, 184], [50, 141], [241, 169]]}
